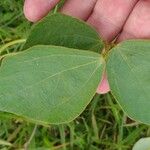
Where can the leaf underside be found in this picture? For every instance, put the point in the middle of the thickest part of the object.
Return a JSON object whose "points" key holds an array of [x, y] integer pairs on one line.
{"points": [[49, 84], [128, 68], [142, 144], [61, 30]]}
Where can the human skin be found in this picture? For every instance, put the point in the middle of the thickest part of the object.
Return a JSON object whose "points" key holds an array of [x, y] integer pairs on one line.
{"points": [[113, 19]]}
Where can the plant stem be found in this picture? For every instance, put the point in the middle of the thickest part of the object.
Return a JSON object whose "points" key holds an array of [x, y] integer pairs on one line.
{"points": [[11, 43], [62, 135], [30, 139]]}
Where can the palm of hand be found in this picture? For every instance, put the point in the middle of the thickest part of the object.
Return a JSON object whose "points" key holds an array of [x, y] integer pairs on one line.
{"points": [[124, 19]]}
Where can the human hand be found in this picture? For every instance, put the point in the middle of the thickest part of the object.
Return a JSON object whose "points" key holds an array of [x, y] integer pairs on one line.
{"points": [[121, 19]]}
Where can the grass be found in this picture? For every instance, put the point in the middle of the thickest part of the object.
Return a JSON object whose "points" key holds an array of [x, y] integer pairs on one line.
{"points": [[102, 126]]}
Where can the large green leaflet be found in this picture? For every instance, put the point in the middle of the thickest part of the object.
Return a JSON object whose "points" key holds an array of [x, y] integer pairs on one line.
{"points": [[61, 30], [128, 68], [48, 84]]}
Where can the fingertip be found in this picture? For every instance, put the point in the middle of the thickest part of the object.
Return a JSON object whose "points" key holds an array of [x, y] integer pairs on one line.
{"points": [[103, 87], [34, 10], [30, 11]]}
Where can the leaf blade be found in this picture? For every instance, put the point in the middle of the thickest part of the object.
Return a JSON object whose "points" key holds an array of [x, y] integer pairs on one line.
{"points": [[142, 144], [128, 70], [48, 84], [61, 30]]}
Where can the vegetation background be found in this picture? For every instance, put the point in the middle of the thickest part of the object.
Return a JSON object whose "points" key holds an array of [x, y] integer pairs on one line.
{"points": [[102, 126]]}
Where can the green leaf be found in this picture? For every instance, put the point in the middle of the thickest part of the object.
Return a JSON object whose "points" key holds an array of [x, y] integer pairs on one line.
{"points": [[128, 68], [142, 144], [61, 30], [49, 84]]}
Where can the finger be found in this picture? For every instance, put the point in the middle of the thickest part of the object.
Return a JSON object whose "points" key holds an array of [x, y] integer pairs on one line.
{"points": [[34, 10], [103, 86], [79, 8], [109, 16], [138, 24]]}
